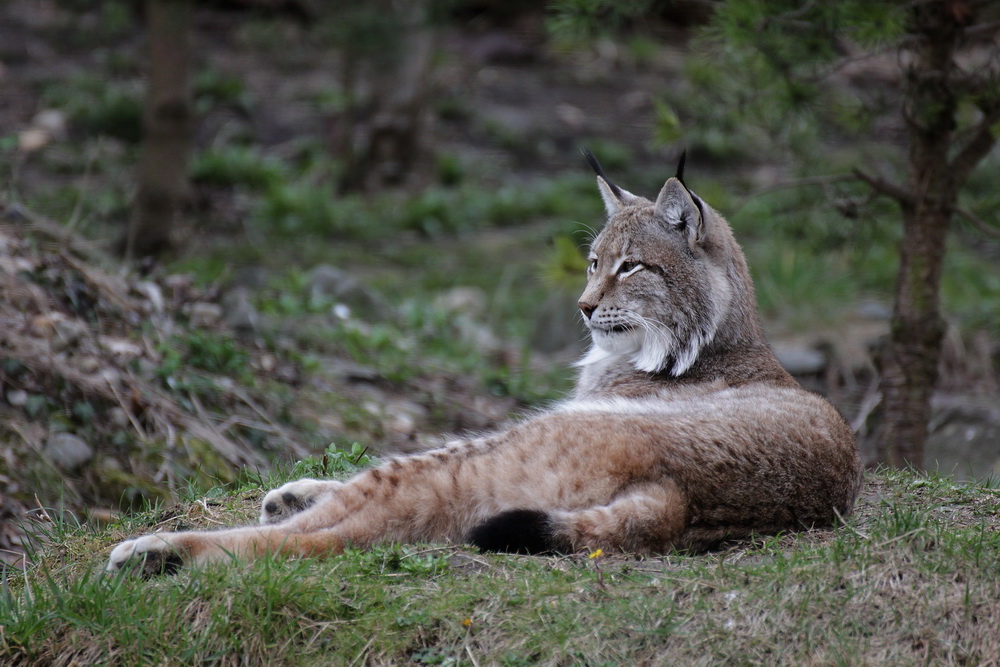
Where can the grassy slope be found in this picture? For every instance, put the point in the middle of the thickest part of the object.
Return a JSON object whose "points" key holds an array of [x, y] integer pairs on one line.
{"points": [[914, 577]]}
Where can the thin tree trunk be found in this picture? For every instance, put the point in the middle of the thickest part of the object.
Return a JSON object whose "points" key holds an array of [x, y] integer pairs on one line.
{"points": [[910, 361], [168, 127], [385, 142]]}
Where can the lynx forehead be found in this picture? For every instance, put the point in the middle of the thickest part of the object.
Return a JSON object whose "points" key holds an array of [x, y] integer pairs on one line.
{"points": [[683, 430]]}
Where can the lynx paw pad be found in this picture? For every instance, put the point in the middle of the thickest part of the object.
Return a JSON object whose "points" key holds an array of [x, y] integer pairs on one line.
{"points": [[148, 556], [293, 498]]}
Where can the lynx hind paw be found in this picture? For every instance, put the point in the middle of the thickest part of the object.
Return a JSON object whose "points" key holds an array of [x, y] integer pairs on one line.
{"points": [[148, 556], [293, 497]]}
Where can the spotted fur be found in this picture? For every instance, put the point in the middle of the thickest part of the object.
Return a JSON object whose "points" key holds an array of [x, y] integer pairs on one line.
{"points": [[683, 430]]}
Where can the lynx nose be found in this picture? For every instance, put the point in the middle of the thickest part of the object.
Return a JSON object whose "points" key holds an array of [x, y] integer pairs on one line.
{"points": [[586, 309]]}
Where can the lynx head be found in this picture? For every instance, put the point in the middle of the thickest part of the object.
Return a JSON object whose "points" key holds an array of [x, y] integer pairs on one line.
{"points": [[665, 280]]}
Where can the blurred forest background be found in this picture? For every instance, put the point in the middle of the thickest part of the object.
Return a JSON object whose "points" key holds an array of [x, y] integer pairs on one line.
{"points": [[246, 231]]}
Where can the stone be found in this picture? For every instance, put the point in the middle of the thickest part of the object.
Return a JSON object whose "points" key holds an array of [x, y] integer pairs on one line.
{"points": [[325, 282], [61, 331], [67, 451], [52, 121], [33, 139], [67, 332], [122, 349], [88, 364], [205, 315], [404, 416], [558, 326], [799, 359], [17, 397], [238, 312], [119, 417], [153, 294], [573, 117], [468, 300]]}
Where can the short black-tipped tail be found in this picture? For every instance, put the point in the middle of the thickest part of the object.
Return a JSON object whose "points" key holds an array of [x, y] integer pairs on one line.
{"points": [[516, 531]]}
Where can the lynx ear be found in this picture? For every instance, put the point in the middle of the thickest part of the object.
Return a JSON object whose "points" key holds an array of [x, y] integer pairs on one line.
{"points": [[676, 206], [614, 197]]}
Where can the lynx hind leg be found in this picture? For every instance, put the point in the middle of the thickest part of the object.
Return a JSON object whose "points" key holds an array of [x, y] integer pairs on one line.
{"points": [[294, 497], [648, 518]]}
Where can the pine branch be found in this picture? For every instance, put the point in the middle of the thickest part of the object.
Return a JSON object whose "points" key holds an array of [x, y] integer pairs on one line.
{"points": [[786, 185], [978, 222], [892, 190], [977, 147]]}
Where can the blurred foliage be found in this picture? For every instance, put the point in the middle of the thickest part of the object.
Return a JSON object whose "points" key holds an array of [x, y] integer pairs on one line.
{"points": [[764, 83], [238, 166], [578, 20], [98, 106]]}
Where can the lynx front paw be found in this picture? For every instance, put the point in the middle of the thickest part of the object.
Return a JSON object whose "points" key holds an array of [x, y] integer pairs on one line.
{"points": [[148, 556], [294, 497]]}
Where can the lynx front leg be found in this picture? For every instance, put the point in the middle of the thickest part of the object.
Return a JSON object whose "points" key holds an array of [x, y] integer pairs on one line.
{"points": [[294, 497], [647, 518], [165, 553]]}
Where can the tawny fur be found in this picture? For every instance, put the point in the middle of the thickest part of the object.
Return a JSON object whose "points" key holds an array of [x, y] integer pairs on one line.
{"points": [[683, 430]]}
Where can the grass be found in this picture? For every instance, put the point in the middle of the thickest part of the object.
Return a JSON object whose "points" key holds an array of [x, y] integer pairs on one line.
{"points": [[913, 577]]}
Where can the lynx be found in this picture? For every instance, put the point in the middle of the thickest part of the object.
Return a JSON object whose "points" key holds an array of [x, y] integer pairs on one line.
{"points": [[683, 431]]}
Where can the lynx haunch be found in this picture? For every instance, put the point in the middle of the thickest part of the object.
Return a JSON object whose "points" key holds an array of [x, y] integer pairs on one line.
{"points": [[683, 430]]}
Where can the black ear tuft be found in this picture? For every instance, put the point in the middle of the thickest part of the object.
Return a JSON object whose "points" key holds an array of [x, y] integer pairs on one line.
{"points": [[596, 166], [515, 531], [680, 166]]}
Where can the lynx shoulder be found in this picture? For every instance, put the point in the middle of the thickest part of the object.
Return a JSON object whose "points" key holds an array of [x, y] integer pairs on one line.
{"points": [[683, 431]]}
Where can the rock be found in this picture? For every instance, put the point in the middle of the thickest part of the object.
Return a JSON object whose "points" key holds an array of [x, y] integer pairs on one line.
{"points": [[52, 121], [799, 359], [330, 283], [558, 326], [17, 397], [205, 315], [501, 48], [68, 332], [88, 364], [873, 310], [61, 331], [33, 139], [253, 277], [111, 376], [573, 117], [122, 349], [404, 416], [471, 301], [238, 312], [326, 280], [153, 294], [66, 451], [637, 100], [119, 417], [465, 307]]}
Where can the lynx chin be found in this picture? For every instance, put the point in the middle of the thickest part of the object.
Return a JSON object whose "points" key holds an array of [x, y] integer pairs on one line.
{"points": [[683, 430]]}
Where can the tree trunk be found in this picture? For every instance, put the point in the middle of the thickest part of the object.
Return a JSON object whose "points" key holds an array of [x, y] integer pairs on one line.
{"points": [[384, 142], [911, 358], [168, 128]]}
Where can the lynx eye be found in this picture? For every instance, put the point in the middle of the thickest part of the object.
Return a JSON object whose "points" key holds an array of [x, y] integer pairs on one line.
{"points": [[628, 268], [592, 267]]}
